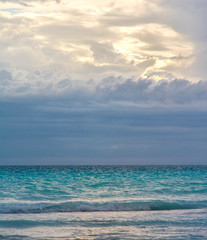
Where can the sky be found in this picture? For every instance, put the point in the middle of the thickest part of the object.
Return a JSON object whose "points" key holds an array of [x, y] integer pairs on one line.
{"points": [[103, 82]]}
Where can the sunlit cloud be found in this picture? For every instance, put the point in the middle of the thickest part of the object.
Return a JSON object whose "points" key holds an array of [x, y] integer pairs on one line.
{"points": [[92, 37]]}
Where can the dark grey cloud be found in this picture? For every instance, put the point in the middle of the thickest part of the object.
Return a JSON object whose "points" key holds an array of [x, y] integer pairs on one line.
{"points": [[118, 121], [56, 132], [110, 89]]}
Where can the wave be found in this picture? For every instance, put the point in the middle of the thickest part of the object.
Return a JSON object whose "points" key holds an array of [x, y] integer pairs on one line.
{"points": [[85, 206]]}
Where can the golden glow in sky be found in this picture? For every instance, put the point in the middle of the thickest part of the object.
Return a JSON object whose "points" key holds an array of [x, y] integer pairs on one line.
{"points": [[90, 38]]}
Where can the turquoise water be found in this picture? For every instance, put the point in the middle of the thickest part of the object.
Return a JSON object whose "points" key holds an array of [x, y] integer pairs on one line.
{"points": [[103, 202]]}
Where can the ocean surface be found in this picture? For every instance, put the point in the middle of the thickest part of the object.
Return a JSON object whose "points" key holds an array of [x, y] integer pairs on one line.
{"points": [[103, 202]]}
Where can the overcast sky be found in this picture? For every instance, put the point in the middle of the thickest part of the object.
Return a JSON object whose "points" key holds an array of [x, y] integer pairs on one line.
{"points": [[103, 82]]}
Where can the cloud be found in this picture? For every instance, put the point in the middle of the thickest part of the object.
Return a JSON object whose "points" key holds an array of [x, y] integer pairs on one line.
{"points": [[105, 53], [103, 82], [54, 83], [5, 75], [177, 91], [95, 38], [53, 131], [25, 2]]}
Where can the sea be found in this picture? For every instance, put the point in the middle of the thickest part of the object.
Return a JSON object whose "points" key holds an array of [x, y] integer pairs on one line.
{"points": [[103, 202]]}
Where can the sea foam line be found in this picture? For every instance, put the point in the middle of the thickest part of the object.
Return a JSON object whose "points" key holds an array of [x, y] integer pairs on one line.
{"points": [[85, 206]]}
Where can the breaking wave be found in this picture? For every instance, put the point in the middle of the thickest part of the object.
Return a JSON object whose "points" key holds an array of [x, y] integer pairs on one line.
{"points": [[84, 206]]}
